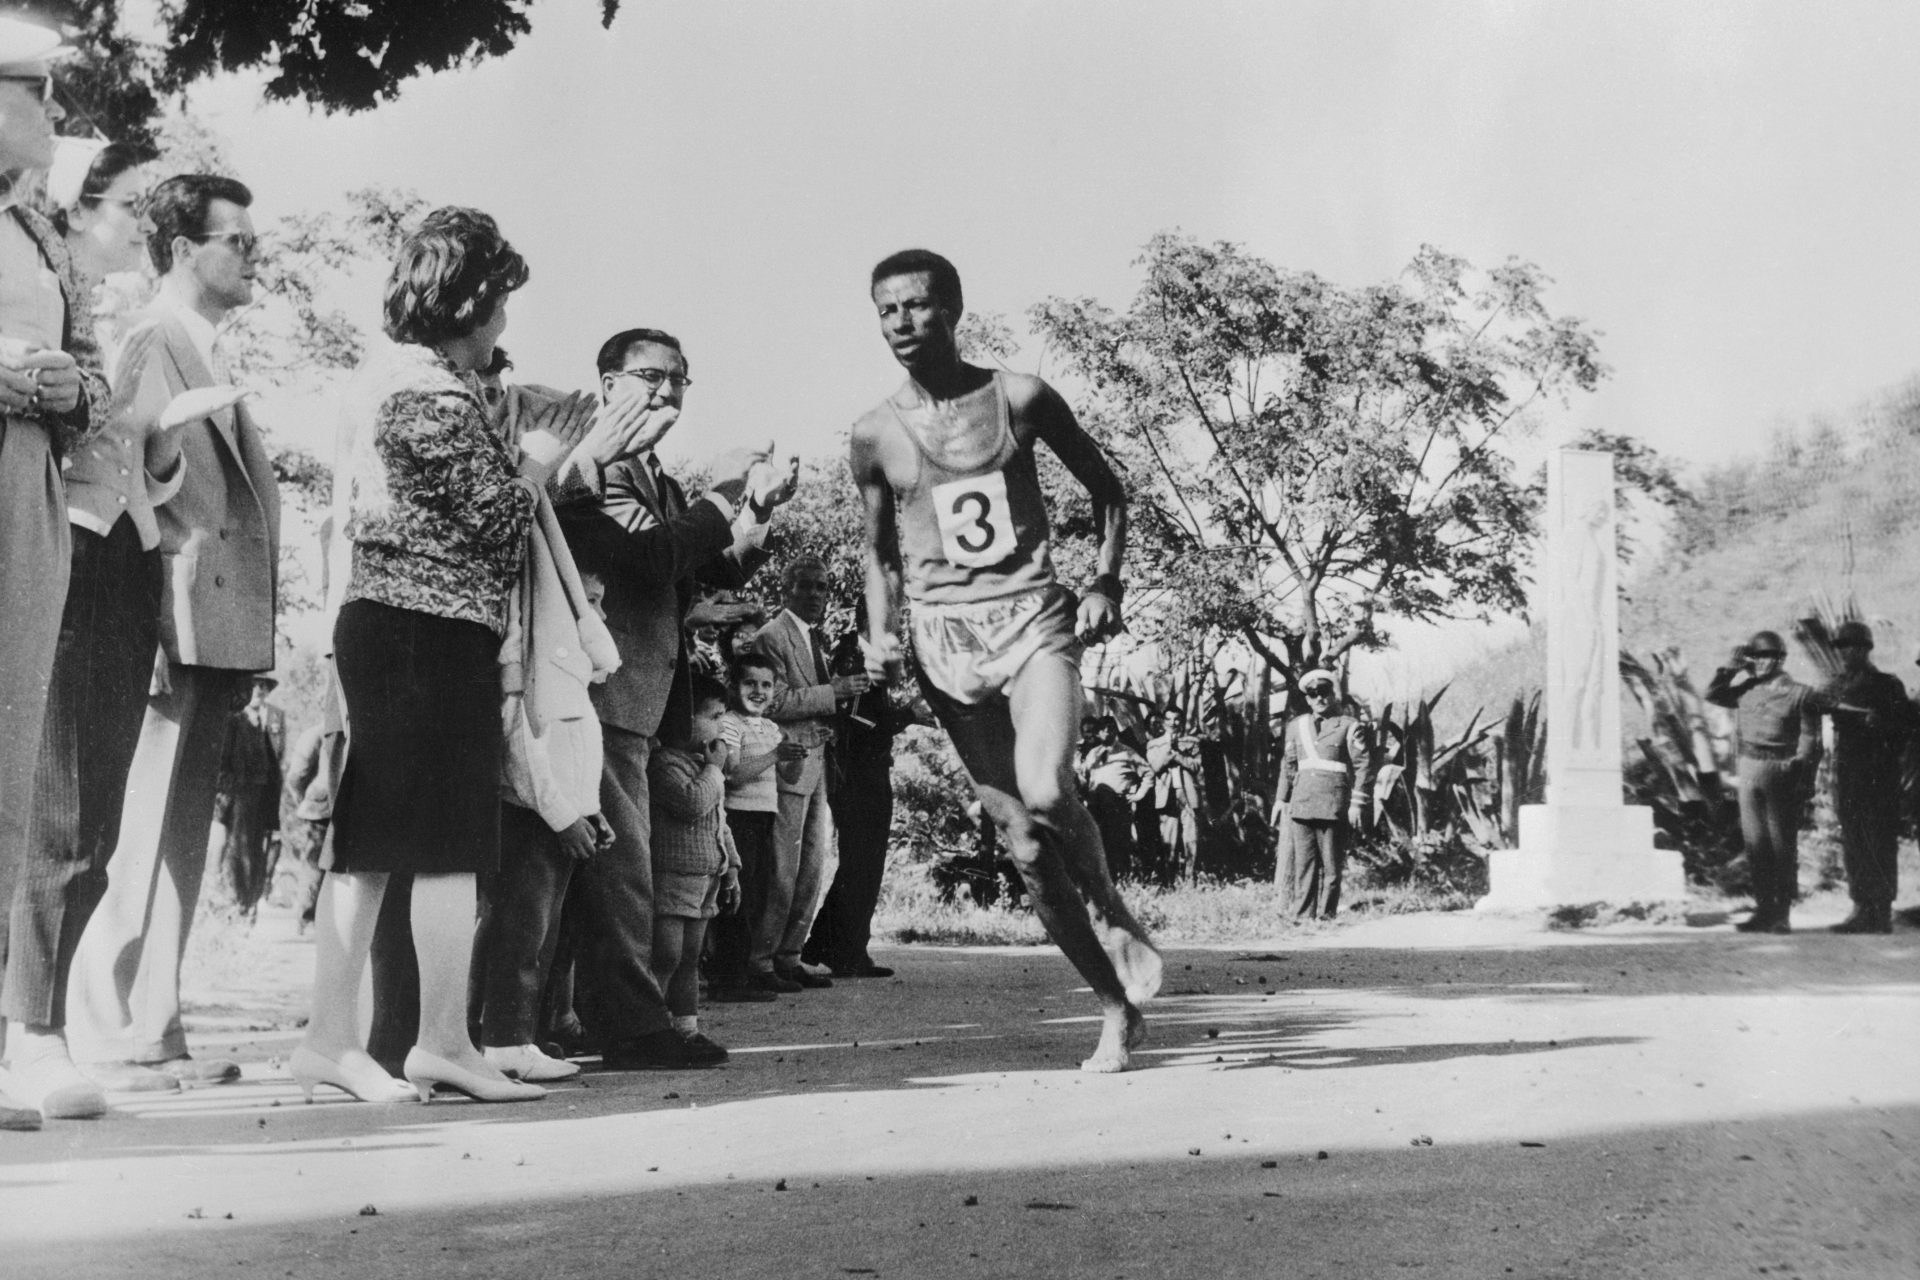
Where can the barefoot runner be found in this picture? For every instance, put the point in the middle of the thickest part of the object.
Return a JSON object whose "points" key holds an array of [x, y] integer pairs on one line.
{"points": [[955, 516]]}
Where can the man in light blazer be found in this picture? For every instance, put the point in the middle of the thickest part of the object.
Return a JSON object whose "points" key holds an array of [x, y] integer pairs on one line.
{"points": [[219, 541], [648, 544], [804, 703]]}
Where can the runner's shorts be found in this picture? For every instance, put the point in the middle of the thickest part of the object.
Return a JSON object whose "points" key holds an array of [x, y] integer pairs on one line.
{"points": [[972, 649], [967, 653]]}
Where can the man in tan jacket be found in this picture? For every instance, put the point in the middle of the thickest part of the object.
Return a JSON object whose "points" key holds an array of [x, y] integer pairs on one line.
{"points": [[219, 542]]}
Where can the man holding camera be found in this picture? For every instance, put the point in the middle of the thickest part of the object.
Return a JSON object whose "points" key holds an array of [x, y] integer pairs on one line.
{"points": [[1777, 741]]}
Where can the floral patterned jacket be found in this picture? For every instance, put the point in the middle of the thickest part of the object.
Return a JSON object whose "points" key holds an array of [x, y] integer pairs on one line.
{"points": [[437, 513]]}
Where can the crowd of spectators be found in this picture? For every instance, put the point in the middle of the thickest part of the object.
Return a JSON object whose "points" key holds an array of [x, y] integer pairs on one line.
{"points": [[543, 771]]}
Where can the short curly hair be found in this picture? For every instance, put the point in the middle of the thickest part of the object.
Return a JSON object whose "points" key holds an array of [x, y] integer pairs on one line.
{"points": [[448, 277]]}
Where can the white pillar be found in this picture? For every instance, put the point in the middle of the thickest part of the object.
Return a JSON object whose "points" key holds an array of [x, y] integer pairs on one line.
{"points": [[1584, 845]]}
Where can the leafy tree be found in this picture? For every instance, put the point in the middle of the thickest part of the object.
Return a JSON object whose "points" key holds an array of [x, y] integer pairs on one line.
{"points": [[341, 55], [108, 85], [1308, 460]]}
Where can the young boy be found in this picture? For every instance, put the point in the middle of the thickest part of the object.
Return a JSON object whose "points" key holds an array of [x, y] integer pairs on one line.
{"points": [[550, 824], [753, 805], [695, 870]]}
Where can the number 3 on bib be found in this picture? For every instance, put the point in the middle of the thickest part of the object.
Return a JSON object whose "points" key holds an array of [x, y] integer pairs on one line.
{"points": [[976, 527]]}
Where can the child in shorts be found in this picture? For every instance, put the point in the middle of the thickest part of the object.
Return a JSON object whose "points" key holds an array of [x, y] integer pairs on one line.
{"points": [[695, 869]]}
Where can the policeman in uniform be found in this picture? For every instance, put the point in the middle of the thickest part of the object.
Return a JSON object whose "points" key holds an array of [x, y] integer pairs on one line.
{"points": [[1326, 774], [1873, 722], [1777, 741]]}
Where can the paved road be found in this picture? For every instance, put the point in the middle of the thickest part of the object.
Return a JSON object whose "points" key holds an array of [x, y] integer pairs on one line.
{"points": [[1432, 1096]]}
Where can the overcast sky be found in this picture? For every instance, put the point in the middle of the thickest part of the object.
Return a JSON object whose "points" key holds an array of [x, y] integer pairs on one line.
{"points": [[1730, 192]]}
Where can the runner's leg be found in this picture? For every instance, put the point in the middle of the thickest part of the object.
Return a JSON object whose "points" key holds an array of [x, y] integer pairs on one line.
{"points": [[1045, 700]]}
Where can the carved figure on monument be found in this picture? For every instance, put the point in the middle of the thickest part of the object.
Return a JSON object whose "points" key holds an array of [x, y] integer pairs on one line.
{"points": [[1592, 554]]}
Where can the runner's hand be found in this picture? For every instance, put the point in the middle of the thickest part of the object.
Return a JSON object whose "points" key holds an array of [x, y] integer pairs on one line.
{"points": [[1097, 620]]}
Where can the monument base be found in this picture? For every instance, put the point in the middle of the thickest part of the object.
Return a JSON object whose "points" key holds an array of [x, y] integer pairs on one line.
{"points": [[1570, 855]]}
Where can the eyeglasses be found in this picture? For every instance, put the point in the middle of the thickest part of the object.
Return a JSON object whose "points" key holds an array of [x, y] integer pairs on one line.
{"points": [[244, 242], [655, 377], [44, 81]]}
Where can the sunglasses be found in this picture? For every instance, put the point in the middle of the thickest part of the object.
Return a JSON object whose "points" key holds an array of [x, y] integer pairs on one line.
{"points": [[44, 81], [243, 242]]}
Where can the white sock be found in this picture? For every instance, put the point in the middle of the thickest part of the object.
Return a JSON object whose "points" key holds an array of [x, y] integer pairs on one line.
{"points": [[688, 1025]]}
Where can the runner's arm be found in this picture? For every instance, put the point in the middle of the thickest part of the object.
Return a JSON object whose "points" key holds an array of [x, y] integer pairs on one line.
{"points": [[884, 573], [1053, 422]]}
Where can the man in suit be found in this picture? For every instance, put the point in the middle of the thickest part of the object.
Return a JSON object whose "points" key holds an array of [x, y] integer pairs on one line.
{"points": [[249, 791], [219, 544], [648, 544], [804, 703]]}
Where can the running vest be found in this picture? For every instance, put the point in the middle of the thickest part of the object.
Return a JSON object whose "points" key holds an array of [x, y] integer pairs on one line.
{"points": [[972, 527]]}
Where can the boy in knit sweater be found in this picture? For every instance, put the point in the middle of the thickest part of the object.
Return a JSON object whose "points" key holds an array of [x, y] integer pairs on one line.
{"points": [[696, 873]]}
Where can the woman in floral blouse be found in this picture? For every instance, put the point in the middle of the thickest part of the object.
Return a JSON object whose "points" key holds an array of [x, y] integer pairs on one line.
{"points": [[438, 512]]}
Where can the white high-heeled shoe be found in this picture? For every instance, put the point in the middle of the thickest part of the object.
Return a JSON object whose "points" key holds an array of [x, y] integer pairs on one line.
{"points": [[429, 1071], [527, 1062], [363, 1078]]}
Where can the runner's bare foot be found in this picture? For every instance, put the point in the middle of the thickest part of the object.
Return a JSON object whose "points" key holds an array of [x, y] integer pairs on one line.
{"points": [[1124, 1029], [1137, 963]]}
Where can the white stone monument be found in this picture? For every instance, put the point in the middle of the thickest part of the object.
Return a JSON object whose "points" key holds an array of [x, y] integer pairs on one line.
{"points": [[1584, 845]]}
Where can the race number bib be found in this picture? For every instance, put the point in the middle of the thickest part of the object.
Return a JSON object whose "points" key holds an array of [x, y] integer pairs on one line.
{"points": [[976, 525]]}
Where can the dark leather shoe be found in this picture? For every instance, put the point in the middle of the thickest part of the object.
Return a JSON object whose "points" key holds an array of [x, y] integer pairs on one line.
{"points": [[773, 982], [803, 976], [1861, 921], [190, 1071], [868, 969], [702, 1052], [741, 993], [662, 1050]]}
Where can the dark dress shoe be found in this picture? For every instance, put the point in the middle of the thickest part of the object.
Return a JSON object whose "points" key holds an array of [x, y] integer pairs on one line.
{"points": [[663, 1050], [741, 993], [863, 969], [1861, 921], [805, 977], [702, 1052], [189, 1070], [774, 982]]}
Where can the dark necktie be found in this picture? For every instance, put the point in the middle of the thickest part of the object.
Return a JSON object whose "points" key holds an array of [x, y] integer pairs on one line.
{"points": [[819, 654], [661, 490]]}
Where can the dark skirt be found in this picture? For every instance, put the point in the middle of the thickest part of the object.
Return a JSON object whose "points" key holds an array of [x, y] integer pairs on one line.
{"points": [[421, 788]]}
